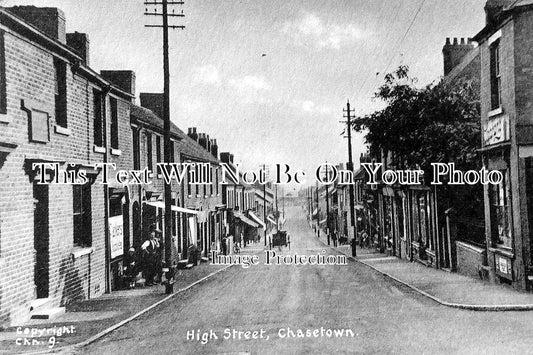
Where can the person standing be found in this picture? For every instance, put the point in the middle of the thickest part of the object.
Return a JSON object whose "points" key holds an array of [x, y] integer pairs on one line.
{"points": [[150, 248]]}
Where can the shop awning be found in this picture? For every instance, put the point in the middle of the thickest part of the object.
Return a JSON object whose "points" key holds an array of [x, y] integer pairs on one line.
{"points": [[257, 219], [246, 219], [161, 204], [271, 219]]}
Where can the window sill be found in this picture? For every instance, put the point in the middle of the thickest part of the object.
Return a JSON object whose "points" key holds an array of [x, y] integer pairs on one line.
{"points": [[78, 252], [98, 149], [4, 118], [116, 152], [62, 131], [495, 112], [505, 251]]}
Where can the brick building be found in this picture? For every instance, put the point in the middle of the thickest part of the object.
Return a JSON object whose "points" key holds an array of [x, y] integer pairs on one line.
{"points": [[507, 138], [240, 201], [197, 215], [55, 110]]}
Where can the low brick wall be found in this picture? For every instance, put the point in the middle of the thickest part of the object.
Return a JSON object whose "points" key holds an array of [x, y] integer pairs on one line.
{"points": [[470, 258]]}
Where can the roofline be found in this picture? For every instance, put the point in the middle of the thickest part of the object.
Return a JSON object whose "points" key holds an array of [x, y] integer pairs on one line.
{"points": [[12, 21]]}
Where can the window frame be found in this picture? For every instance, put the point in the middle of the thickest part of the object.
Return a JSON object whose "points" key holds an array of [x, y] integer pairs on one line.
{"points": [[113, 105], [60, 92], [81, 195], [495, 75], [98, 118]]}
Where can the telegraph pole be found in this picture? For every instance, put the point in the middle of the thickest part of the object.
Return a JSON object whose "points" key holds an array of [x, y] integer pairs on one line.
{"points": [[166, 111], [327, 205], [277, 211], [317, 211], [348, 122], [264, 205]]}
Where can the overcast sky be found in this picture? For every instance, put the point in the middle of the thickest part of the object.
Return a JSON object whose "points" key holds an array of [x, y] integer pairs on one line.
{"points": [[285, 106]]}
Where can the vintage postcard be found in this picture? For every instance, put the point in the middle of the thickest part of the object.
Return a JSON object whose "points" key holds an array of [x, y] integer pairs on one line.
{"points": [[266, 177]]}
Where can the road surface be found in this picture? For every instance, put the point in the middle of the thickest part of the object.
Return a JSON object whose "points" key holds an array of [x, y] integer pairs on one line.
{"points": [[340, 309]]}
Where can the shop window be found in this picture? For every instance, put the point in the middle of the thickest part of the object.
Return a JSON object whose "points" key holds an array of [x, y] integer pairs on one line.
{"points": [[423, 208], [114, 123], [60, 92], [495, 75], [500, 213], [82, 215], [115, 206], [98, 119]]}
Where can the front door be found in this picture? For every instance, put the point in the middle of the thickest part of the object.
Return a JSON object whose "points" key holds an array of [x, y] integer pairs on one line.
{"points": [[41, 240]]}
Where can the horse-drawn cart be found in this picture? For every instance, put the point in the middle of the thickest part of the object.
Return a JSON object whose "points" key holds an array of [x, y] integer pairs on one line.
{"points": [[279, 239]]}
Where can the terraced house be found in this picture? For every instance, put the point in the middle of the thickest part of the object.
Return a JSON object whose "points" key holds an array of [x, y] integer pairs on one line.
{"points": [[58, 117]]}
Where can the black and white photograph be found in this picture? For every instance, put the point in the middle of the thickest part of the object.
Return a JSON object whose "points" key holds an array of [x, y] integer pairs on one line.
{"points": [[257, 177]]}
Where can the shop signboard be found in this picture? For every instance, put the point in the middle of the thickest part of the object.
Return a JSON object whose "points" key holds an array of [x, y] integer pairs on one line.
{"points": [[116, 236], [503, 266], [496, 130]]}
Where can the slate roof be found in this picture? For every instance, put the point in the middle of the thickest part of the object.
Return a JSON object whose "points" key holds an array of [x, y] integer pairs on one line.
{"points": [[187, 145]]}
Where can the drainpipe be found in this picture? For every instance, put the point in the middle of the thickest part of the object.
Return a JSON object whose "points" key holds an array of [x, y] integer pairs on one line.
{"points": [[105, 93]]}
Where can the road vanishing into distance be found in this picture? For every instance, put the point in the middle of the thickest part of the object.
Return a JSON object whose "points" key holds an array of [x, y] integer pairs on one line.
{"points": [[339, 309]]}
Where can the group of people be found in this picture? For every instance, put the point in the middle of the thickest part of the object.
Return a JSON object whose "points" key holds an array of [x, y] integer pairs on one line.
{"points": [[148, 260]]}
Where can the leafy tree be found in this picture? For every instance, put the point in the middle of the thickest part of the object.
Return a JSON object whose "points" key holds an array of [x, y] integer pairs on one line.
{"points": [[419, 126]]}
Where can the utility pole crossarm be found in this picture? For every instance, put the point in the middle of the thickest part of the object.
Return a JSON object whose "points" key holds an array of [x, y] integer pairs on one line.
{"points": [[167, 2], [169, 26]]}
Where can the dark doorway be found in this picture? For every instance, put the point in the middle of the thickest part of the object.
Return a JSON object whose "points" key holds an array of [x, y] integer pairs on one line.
{"points": [[41, 240], [137, 231]]}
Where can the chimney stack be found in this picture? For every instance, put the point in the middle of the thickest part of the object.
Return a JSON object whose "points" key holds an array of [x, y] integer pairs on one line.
{"points": [[454, 53], [79, 42], [493, 10], [202, 140], [192, 133], [124, 79], [153, 102], [214, 148], [225, 157], [49, 20]]}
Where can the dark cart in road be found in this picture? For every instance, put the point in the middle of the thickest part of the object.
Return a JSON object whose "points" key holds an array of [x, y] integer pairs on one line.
{"points": [[279, 239]]}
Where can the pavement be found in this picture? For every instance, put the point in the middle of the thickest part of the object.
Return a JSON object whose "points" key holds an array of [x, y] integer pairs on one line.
{"points": [[391, 305], [89, 320], [220, 315], [446, 288]]}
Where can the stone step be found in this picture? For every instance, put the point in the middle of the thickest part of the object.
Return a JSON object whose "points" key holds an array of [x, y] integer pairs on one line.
{"points": [[39, 303], [47, 313]]}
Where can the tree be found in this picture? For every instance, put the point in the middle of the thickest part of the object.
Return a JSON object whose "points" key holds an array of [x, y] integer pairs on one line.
{"points": [[419, 126]]}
